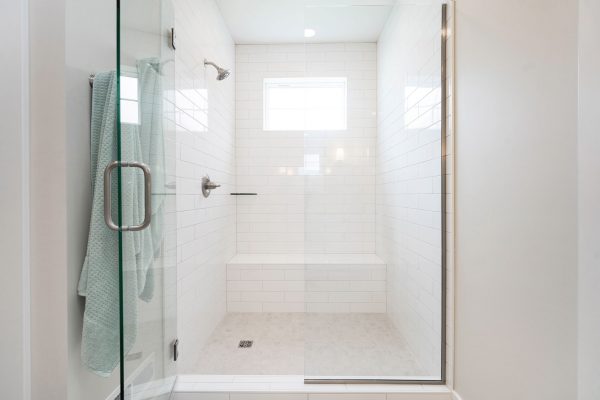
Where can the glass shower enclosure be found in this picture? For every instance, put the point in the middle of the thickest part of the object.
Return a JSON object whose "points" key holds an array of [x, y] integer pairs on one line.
{"points": [[362, 251], [140, 208]]}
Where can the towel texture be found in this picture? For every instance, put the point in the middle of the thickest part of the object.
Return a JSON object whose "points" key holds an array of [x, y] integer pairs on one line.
{"points": [[99, 281]]}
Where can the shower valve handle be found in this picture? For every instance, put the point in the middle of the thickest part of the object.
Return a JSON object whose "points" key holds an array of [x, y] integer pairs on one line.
{"points": [[208, 185]]}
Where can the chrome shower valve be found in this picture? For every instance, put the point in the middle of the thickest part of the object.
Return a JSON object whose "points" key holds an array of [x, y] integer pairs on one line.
{"points": [[208, 186]]}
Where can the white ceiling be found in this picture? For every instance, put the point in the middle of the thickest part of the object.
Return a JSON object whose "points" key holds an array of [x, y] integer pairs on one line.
{"points": [[284, 21]]}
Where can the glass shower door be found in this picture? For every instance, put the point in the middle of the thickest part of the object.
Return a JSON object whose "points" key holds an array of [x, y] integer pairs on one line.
{"points": [[144, 175], [374, 219]]}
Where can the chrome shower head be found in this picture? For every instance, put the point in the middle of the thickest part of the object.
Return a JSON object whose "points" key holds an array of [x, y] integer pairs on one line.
{"points": [[222, 73]]}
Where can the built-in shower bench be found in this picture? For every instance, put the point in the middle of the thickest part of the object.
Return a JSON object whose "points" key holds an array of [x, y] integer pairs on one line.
{"points": [[330, 283]]}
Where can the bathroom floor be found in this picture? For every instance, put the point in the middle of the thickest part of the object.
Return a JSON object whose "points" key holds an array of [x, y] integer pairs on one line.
{"points": [[311, 344]]}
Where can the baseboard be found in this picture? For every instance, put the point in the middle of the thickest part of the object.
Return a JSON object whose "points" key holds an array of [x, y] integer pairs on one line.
{"points": [[456, 396]]}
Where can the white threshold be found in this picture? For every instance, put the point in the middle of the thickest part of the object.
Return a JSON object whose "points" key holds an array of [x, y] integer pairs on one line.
{"points": [[292, 387]]}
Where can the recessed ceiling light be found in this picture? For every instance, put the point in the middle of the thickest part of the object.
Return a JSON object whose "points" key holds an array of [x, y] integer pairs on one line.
{"points": [[309, 32]]}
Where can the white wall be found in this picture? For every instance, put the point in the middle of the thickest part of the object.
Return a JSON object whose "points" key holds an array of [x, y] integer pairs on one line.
{"points": [[589, 201], [332, 211], [63, 50], [13, 175], [408, 175], [48, 177], [516, 199], [205, 134]]}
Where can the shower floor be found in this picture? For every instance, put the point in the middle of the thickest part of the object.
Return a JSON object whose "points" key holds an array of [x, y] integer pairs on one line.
{"points": [[311, 344]]}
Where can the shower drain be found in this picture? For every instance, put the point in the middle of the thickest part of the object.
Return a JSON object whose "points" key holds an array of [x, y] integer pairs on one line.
{"points": [[245, 344]]}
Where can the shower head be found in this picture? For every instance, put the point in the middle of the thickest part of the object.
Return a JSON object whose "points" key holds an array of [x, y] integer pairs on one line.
{"points": [[222, 73]]}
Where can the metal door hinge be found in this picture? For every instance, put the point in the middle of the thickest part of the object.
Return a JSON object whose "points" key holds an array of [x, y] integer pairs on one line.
{"points": [[175, 349], [172, 38]]}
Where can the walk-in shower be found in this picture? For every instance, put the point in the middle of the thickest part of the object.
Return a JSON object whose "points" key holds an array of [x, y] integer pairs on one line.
{"points": [[320, 255]]}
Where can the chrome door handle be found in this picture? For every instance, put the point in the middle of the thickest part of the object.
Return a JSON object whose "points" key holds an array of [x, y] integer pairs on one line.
{"points": [[108, 195]]}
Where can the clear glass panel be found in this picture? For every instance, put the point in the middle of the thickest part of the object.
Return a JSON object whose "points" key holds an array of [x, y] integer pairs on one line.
{"points": [[147, 256], [372, 196]]}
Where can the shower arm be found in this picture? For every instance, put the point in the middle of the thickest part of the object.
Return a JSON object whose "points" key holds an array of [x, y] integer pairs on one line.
{"points": [[206, 62]]}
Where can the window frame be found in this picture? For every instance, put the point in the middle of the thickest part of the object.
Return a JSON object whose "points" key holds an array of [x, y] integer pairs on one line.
{"points": [[305, 83]]}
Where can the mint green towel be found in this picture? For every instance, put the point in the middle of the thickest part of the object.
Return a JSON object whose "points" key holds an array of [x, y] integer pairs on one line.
{"points": [[99, 281]]}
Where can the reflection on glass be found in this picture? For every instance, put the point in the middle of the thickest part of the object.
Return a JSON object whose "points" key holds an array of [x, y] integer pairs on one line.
{"points": [[422, 105], [312, 164]]}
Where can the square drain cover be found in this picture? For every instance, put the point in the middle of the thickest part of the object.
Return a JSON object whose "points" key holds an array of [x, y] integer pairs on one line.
{"points": [[245, 344]]}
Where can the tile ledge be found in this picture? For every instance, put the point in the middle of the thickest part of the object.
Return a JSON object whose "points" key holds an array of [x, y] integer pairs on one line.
{"points": [[351, 259]]}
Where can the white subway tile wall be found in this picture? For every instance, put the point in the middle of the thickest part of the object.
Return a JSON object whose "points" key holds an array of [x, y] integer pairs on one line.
{"points": [[203, 111], [316, 189], [340, 214], [409, 177]]}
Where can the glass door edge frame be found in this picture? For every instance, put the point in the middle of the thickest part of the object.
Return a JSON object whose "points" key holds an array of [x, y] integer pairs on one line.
{"points": [[119, 205], [377, 381], [443, 170]]}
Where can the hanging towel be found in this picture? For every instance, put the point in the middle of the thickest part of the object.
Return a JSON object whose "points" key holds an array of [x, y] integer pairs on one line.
{"points": [[99, 281], [152, 141]]}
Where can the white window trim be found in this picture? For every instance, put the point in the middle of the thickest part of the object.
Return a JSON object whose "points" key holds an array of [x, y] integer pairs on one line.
{"points": [[304, 82]]}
